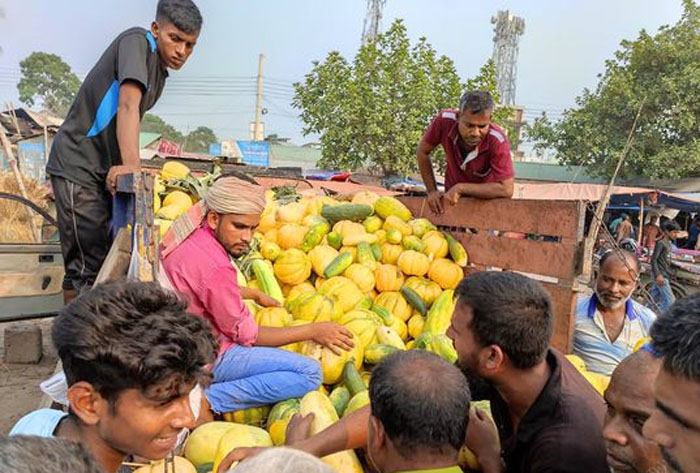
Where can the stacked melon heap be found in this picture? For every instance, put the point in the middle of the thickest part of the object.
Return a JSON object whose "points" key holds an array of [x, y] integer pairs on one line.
{"points": [[175, 190], [366, 264]]}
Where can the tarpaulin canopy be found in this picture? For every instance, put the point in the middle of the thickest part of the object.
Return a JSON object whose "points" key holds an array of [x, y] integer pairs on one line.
{"points": [[622, 197]]}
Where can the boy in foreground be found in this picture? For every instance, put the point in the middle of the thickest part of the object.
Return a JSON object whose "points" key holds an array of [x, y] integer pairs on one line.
{"points": [[131, 355]]}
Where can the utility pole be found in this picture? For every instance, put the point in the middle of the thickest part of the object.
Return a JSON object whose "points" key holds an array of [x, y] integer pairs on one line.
{"points": [[258, 126]]}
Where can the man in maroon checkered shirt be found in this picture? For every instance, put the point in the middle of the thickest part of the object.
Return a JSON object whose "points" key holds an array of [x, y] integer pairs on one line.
{"points": [[477, 152]]}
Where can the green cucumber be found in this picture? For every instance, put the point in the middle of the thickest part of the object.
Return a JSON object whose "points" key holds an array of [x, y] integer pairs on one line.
{"points": [[339, 264], [353, 212], [413, 299], [352, 379]]}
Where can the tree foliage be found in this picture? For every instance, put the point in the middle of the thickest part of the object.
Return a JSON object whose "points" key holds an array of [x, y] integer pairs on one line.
{"points": [[662, 71], [47, 78], [154, 124], [372, 112], [198, 140]]}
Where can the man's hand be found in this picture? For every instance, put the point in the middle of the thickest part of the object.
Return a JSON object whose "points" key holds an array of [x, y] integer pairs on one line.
{"points": [[482, 440], [659, 280], [238, 455], [116, 171], [298, 429], [264, 300], [435, 202], [452, 196], [333, 336]]}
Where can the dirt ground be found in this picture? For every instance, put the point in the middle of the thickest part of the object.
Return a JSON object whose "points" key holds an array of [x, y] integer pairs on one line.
{"points": [[19, 383]]}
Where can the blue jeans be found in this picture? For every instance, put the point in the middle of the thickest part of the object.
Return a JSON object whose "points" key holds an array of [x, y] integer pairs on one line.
{"points": [[247, 377], [662, 295]]}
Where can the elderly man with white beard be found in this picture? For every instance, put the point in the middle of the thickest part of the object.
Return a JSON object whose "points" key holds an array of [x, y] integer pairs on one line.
{"points": [[609, 323]]}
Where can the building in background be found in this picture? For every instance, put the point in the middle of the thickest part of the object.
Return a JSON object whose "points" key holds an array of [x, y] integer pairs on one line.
{"points": [[32, 134]]}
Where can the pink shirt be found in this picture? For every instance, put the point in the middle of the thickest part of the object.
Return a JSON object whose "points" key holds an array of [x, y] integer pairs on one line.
{"points": [[490, 162], [201, 269]]}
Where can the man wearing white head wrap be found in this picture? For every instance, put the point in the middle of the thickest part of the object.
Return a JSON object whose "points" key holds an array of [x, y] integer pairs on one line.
{"points": [[196, 256]]}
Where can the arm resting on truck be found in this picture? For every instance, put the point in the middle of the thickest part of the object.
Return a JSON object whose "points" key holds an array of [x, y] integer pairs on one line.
{"points": [[426, 167], [128, 123], [486, 190], [426, 172]]}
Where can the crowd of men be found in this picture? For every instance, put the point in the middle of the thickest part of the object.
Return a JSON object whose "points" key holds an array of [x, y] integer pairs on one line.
{"points": [[133, 355]]}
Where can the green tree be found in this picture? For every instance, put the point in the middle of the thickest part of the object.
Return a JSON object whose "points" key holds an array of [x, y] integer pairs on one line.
{"points": [[154, 124], [660, 71], [46, 77], [198, 140], [372, 112]]}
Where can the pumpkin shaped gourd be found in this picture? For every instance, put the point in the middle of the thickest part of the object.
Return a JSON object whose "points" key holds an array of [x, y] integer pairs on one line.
{"points": [[321, 256], [446, 273], [390, 253], [435, 244], [413, 263], [291, 213], [273, 317], [291, 235], [388, 277], [395, 303], [362, 276], [299, 289], [292, 267], [342, 291], [427, 290]]}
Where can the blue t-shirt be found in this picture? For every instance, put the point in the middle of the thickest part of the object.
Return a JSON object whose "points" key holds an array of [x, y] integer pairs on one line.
{"points": [[40, 423]]}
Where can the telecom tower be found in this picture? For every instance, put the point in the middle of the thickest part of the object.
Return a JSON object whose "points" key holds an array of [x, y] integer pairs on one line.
{"points": [[373, 20], [507, 29]]}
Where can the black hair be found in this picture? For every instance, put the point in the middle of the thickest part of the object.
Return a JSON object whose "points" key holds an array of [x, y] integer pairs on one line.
{"points": [[126, 334], [422, 402], [676, 335], [509, 310], [183, 14], [670, 226], [476, 101], [622, 254], [30, 454]]}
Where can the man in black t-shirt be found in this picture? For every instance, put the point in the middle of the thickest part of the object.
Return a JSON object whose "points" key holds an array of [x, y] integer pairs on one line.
{"points": [[99, 139]]}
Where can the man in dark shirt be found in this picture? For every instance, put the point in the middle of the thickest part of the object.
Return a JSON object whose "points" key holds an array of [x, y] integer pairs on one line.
{"points": [[99, 140], [477, 153], [661, 267], [548, 417]]}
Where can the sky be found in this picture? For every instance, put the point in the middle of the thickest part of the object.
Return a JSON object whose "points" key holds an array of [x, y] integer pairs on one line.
{"points": [[562, 51]]}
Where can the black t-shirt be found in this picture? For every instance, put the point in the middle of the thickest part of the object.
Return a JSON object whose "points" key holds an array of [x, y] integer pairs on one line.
{"points": [[86, 146], [561, 432]]}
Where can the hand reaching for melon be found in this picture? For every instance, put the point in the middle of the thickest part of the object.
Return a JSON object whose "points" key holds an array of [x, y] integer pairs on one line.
{"points": [[482, 440], [333, 336], [298, 429], [238, 455]]}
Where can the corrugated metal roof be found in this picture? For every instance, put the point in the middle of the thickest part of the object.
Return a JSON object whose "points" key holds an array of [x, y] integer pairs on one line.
{"points": [[297, 156], [146, 138], [529, 171]]}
